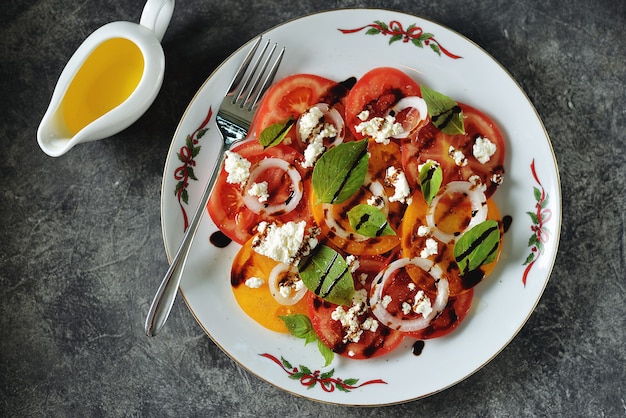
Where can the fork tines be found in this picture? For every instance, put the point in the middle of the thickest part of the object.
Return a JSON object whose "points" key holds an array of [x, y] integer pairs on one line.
{"points": [[248, 87]]}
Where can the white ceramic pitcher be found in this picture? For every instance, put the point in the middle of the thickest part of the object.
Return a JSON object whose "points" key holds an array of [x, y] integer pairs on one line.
{"points": [[109, 82]]}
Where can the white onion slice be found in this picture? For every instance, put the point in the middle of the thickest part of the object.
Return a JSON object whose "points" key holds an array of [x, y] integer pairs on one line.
{"points": [[330, 115], [274, 284], [377, 189], [252, 202], [420, 322], [479, 208], [414, 102]]}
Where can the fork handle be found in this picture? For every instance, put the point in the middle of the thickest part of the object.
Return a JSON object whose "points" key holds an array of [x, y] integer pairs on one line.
{"points": [[166, 294]]}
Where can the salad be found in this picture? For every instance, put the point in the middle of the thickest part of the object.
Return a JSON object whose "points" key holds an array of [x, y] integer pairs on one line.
{"points": [[363, 209]]}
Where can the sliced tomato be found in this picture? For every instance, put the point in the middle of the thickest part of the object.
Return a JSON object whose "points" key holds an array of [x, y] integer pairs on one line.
{"points": [[258, 302], [227, 205], [289, 98], [376, 92], [456, 215], [333, 219], [331, 332], [455, 312], [432, 144]]}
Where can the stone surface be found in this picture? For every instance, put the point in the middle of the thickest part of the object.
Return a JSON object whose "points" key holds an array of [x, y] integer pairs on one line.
{"points": [[81, 249]]}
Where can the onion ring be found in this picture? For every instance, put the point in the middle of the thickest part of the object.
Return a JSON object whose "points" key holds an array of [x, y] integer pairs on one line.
{"points": [[416, 103], [274, 284], [479, 209], [257, 207], [421, 322]]}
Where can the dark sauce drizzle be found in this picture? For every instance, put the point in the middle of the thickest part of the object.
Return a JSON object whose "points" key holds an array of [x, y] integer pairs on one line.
{"points": [[418, 347], [219, 239]]}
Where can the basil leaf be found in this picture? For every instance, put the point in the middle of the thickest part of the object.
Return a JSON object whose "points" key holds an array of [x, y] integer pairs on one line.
{"points": [[326, 273], [340, 171], [300, 326], [444, 112], [274, 134], [477, 246], [369, 221], [431, 176]]}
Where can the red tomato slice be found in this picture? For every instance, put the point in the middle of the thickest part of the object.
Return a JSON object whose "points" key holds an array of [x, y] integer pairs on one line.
{"points": [[226, 205], [377, 91], [455, 312], [432, 144], [331, 332], [289, 98]]}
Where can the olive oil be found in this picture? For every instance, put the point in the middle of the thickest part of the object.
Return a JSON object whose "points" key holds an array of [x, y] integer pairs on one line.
{"points": [[105, 80]]}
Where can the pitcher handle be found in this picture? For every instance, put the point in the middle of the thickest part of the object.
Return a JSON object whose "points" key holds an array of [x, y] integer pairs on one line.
{"points": [[156, 16]]}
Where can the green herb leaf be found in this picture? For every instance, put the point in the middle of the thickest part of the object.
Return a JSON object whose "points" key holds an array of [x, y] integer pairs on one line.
{"points": [[369, 221], [444, 112], [477, 246], [326, 273], [326, 352], [274, 134], [300, 326], [340, 171], [431, 176]]}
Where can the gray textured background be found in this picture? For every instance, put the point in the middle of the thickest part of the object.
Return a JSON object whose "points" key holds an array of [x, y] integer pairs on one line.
{"points": [[81, 249]]}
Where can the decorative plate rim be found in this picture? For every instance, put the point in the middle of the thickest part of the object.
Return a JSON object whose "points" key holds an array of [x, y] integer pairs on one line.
{"points": [[535, 246]]}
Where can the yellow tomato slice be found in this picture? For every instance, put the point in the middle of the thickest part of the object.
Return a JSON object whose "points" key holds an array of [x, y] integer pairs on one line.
{"points": [[258, 302]]}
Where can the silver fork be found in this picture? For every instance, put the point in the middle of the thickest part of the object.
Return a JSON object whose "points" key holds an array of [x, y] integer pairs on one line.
{"points": [[233, 121]]}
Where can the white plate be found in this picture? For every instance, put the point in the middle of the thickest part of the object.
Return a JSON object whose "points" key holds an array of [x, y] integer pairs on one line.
{"points": [[315, 44]]}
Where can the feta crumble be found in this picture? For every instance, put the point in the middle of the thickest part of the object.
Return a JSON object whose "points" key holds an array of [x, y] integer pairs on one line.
{"points": [[424, 231], [313, 129], [349, 319], [397, 179], [286, 243], [237, 167], [259, 190], [431, 248], [254, 282], [458, 156], [380, 129], [483, 149]]}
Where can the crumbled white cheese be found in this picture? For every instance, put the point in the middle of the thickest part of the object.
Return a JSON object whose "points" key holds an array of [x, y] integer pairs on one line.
{"points": [[386, 301], [353, 263], [285, 288], [237, 167], [458, 156], [314, 130], [309, 121], [254, 282], [363, 279], [380, 129], [497, 179], [349, 319], [398, 180], [424, 231], [260, 191], [286, 243], [411, 286], [312, 152], [421, 304], [477, 183], [406, 308], [483, 149], [431, 248], [376, 201], [363, 116]]}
